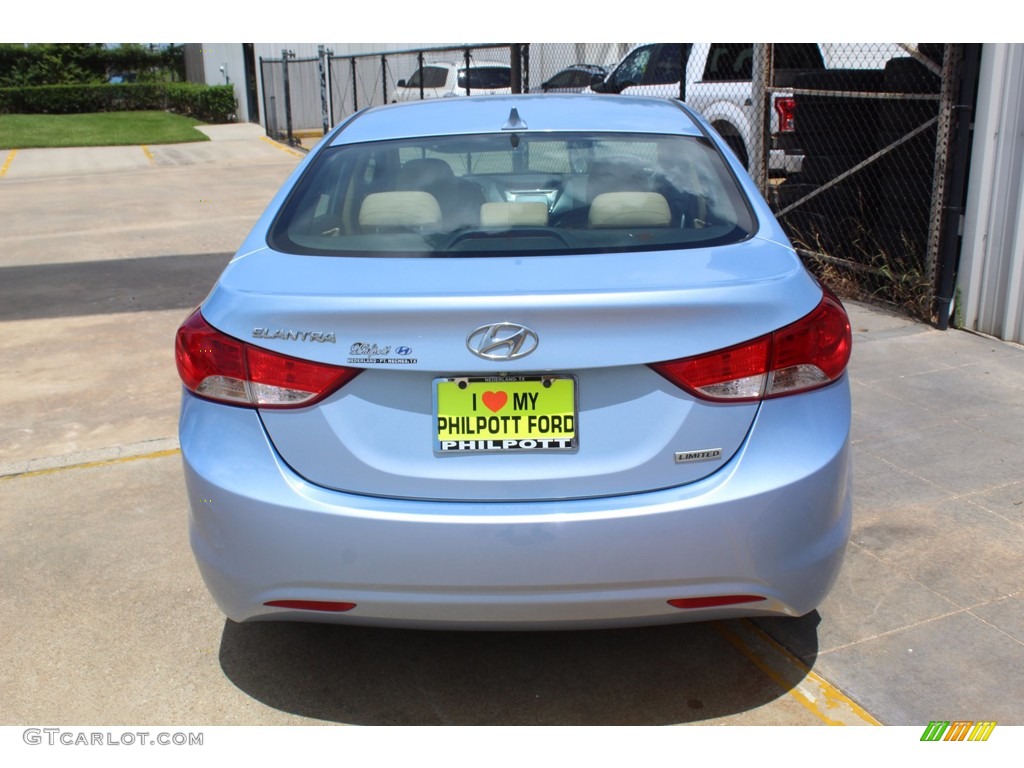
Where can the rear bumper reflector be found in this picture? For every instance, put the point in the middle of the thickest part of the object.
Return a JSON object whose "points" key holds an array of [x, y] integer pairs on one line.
{"points": [[312, 605], [713, 602]]}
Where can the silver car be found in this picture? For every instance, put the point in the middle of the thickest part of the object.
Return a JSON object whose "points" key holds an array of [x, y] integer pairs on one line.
{"points": [[442, 79], [517, 362]]}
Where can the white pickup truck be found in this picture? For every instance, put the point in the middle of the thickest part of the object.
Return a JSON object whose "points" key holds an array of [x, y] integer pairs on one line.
{"points": [[719, 85]]}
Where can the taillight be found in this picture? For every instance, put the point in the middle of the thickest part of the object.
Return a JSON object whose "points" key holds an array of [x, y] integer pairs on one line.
{"points": [[810, 353], [218, 367], [785, 106]]}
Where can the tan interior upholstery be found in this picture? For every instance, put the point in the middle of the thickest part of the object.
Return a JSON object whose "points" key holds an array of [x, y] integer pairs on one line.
{"points": [[513, 215], [400, 209], [629, 209]]}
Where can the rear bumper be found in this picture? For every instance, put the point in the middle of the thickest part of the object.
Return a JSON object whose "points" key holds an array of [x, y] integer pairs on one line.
{"points": [[772, 522], [784, 162], [785, 156]]}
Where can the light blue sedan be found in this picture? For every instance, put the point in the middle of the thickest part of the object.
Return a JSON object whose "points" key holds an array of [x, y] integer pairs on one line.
{"points": [[517, 362]]}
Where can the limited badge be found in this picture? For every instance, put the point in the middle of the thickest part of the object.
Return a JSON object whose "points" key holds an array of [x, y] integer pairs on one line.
{"points": [[707, 454]]}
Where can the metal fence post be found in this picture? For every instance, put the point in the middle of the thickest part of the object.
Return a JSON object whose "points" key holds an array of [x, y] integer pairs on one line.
{"points": [[684, 57], [355, 98], [516, 62], [967, 76], [526, 65], [950, 60], [467, 73], [384, 76], [266, 114], [419, 62], [325, 107], [760, 123], [330, 88], [287, 95]]}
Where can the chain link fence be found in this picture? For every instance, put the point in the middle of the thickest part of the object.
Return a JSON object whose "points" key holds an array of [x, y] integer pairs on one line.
{"points": [[849, 143], [866, 206]]}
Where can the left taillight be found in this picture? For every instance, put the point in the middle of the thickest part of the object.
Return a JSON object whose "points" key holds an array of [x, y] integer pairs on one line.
{"points": [[808, 354], [219, 367]]}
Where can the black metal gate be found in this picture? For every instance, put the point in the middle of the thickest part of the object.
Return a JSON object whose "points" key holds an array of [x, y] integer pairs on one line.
{"points": [[870, 205]]}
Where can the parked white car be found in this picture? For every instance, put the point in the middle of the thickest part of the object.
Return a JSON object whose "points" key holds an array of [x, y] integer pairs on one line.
{"points": [[440, 79], [719, 86]]}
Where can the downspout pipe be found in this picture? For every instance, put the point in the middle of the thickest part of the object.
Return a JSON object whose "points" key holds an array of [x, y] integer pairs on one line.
{"points": [[956, 202]]}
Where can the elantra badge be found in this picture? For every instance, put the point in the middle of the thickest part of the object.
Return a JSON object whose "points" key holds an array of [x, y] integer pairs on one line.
{"points": [[292, 335], [502, 341]]}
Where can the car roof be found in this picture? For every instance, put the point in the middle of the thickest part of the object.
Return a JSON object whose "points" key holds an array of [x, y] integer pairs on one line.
{"points": [[539, 112]]}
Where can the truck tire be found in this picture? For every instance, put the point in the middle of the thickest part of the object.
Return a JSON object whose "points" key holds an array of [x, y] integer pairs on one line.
{"points": [[735, 142]]}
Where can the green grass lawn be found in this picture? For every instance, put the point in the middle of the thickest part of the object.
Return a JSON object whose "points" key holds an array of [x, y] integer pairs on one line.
{"points": [[101, 129]]}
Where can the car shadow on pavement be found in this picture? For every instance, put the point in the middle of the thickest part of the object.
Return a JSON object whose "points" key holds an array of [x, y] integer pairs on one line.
{"points": [[685, 673], [107, 286]]}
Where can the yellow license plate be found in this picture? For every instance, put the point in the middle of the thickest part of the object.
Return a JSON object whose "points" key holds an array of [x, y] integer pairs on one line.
{"points": [[514, 413]]}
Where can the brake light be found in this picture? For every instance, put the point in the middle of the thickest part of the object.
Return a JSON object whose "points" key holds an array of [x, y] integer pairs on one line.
{"points": [[785, 106], [808, 354], [218, 367]]}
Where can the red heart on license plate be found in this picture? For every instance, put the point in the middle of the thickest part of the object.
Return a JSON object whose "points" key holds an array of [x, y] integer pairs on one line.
{"points": [[495, 401]]}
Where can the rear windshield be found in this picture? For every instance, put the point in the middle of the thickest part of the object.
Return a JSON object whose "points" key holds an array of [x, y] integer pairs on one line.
{"points": [[513, 193], [485, 77]]}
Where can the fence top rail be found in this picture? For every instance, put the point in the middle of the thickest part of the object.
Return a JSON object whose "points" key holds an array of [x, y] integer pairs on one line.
{"points": [[859, 94], [412, 51], [264, 60]]}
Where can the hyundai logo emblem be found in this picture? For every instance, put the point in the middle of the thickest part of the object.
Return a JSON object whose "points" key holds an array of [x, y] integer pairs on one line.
{"points": [[502, 341]]}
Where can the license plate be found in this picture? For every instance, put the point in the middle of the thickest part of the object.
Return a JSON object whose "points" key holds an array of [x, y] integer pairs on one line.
{"points": [[505, 414]]}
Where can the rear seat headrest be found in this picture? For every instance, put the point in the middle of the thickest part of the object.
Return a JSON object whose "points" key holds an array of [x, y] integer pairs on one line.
{"points": [[630, 209], [400, 209]]}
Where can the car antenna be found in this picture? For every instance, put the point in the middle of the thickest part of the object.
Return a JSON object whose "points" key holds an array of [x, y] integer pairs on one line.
{"points": [[514, 122]]}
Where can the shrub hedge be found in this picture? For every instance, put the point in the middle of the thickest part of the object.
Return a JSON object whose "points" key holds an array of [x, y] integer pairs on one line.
{"points": [[209, 103]]}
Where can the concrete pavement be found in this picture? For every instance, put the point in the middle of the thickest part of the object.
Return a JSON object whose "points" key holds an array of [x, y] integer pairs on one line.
{"points": [[107, 622], [927, 620]]}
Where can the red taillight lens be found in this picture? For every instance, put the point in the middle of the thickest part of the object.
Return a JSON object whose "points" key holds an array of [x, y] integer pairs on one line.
{"points": [[219, 367], [737, 373], [810, 353], [813, 351], [785, 106]]}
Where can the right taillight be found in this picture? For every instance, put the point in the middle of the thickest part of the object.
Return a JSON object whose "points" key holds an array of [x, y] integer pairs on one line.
{"points": [[785, 107], [810, 353], [219, 367]]}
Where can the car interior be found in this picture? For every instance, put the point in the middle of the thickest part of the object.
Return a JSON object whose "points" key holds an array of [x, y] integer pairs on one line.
{"points": [[556, 198]]}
